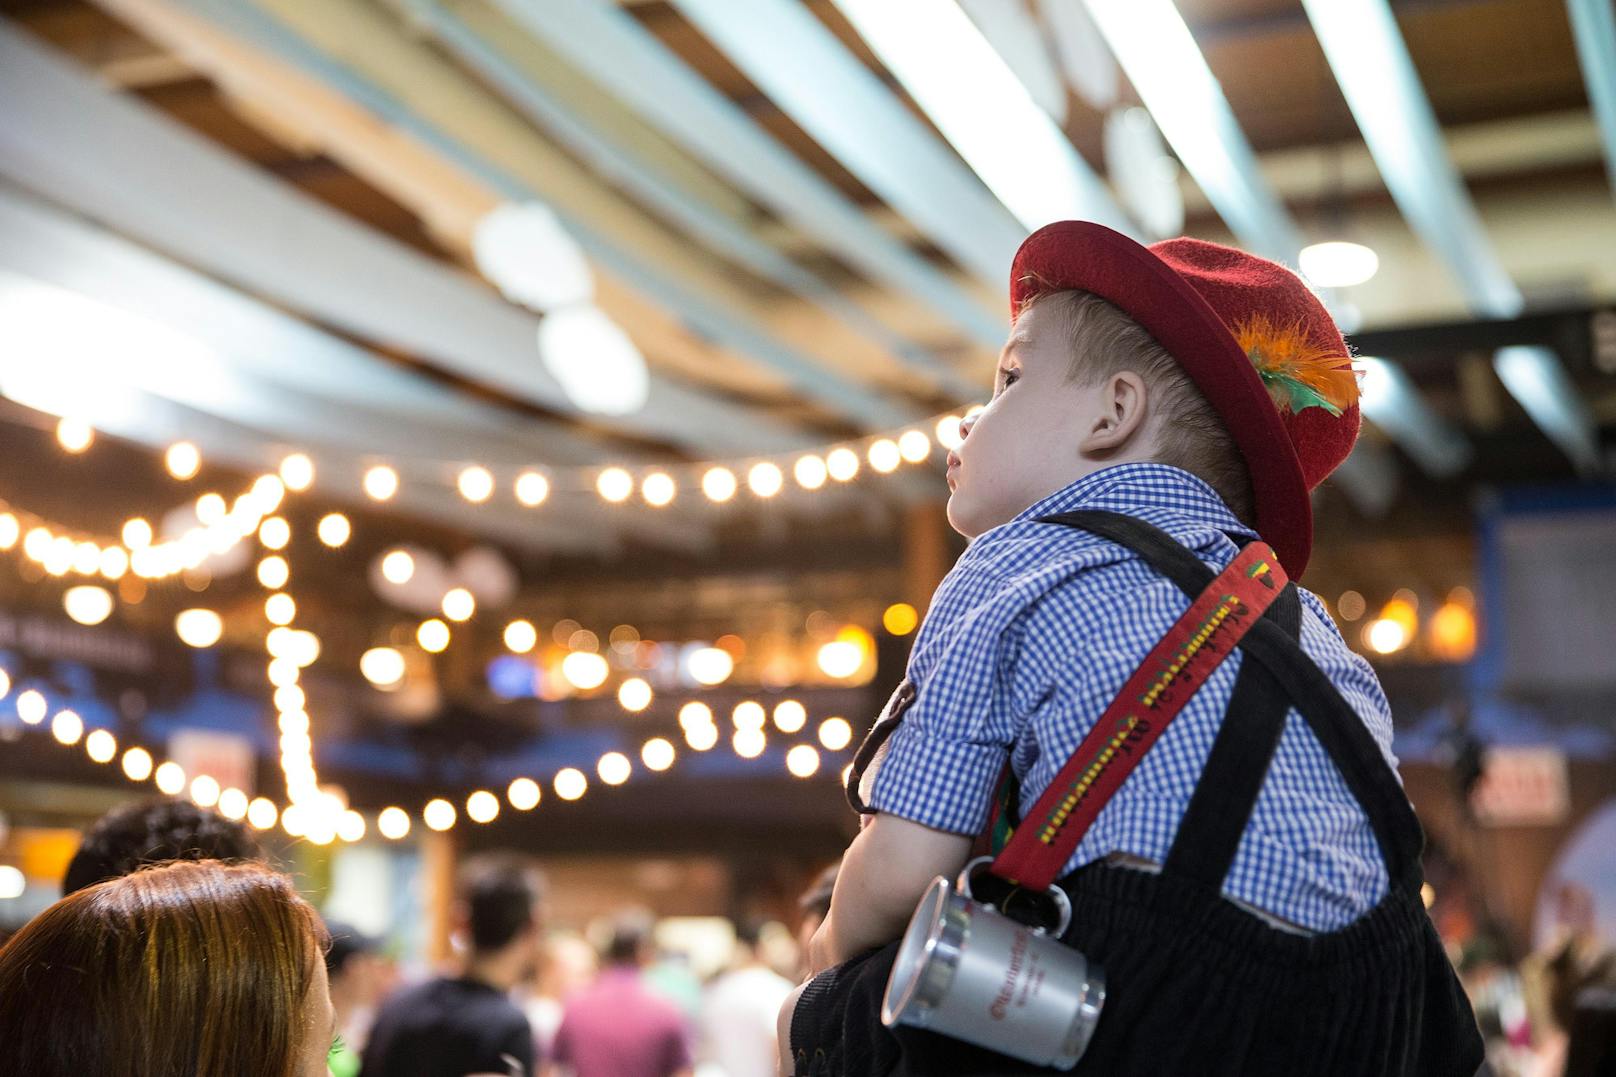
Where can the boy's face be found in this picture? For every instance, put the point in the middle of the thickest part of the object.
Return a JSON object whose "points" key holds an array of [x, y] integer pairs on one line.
{"points": [[1029, 442]]}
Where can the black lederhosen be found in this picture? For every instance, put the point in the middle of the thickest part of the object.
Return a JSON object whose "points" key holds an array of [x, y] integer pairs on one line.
{"points": [[1195, 985]]}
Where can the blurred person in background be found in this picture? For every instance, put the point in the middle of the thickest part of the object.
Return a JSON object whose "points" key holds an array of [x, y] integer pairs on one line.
{"points": [[814, 905], [153, 831], [617, 1027], [184, 968], [358, 978], [739, 1009], [453, 1026], [569, 966]]}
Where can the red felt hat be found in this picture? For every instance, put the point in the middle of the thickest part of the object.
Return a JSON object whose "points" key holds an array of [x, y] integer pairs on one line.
{"points": [[1248, 332]]}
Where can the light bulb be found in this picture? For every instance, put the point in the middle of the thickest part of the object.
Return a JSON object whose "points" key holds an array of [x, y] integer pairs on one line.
{"points": [[380, 483], [183, 460], [297, 472], [476, 484], [334, 529], [532, 488], [615, 485]]}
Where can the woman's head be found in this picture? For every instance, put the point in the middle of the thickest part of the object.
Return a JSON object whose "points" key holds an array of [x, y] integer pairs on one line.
{"points": [[184, 968]]}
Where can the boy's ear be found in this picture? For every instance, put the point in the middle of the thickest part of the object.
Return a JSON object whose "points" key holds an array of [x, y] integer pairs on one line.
{"points": [[1119, 417]]}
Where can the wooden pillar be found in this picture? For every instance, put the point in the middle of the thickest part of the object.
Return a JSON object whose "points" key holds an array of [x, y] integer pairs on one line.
{"points": [[927, 552], [439, 851]]}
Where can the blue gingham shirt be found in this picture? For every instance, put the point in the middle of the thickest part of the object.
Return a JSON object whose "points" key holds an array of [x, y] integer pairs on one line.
{"points": [[1032, 634]]}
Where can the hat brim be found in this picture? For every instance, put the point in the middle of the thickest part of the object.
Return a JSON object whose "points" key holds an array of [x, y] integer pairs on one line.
{"points": [[1093, 258]]}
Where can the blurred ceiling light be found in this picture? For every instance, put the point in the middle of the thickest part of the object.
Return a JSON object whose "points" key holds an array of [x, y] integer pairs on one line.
{"points": [[570, 783], [482, 806], [1015, 34], [67, 727], [1337, 263], [1350, 605], [262, 813], [596, 363], [701, 737], [398, 566], [900, 619], [835, 733], [765, 479], [199, 627], [884, 455], [383, 666], [524, 251], [351, 826], [584, 671], [614, 768], [521, 637], [983, 110], [1452, 629], [709, 665], [183, 460], [334, 529], [433, 636], [914, 446], [658, 489], [948, 432], [749, 743], [31, 707], [790, 716], [137, 764], [718, 483], [695, 713], [459, 604], [657, 754], [170, 778], [297, 472], [273, 572], [393, 823], [275, 533], [476, 484], [840, 659], [524, 794], [380, 482], [810, 472], [1385, 636], [438, 814], [532, 488], [13, 883], [749, 714], [88, 605], [205, 790], [803, 761], [101, 746], [614, 484], [211, 508], [280, 609], [842, 463], [74, 435], [137, 534], [634, 694]]}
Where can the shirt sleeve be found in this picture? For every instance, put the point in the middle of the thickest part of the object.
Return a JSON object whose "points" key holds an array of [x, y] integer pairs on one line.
{"points": [[944, 760], [518, 1044]]}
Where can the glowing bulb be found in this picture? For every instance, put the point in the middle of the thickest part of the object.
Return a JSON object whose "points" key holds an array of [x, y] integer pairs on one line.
{"points": [[297, 472], [137, 534], [615, 484], [476, 484], [1386, 636], [914, 446], [261, 813], [5, 684], [634, 694], [438, 814], [810, 472], [520, 636], [114, 562], [459, 604], [101, 746], [398, 567], [273, 572], [205, 791], [748, 743], [382, 667], [701, 737], [88, 604], [835, 733], [137, 764], [283, 672], [532, 488], [840, 659], [280, 609], [658, 489], [10, 530], [380, 483], [884, 455], [695, 713], [790, 716], [233, 804], [900, 619], [199, 628], [1337, 263], [709, 665], [765, 479], [843, 464], [718, 483], [433, 636], [803, 761], [183, 460], [614, 768], [570, 783], [31, 707], [275, 533], [523, 794], [210, 509], [749, 715], [13, 883], [290, 699], [393, 823], [267, 493], [584, 670], [657, 754], [334, 529], [482, 806], [948, 432], [74, 435], [351, 826], [170, 778]]}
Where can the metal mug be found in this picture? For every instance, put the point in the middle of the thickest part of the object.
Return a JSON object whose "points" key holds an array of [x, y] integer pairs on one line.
{"points": [[966, 970]]}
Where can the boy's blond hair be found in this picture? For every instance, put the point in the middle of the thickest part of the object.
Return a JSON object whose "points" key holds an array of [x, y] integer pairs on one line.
{"points": [[1190, 434]]}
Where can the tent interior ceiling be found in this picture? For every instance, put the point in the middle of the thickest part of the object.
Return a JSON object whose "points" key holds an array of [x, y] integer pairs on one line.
{"points": [[1501, 75]]}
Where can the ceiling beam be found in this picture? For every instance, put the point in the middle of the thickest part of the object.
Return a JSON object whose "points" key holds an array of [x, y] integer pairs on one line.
{"points": [[1594, 24]]}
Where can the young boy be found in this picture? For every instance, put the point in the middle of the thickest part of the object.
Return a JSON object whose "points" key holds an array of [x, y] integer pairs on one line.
{"points": [[1205, 392]]}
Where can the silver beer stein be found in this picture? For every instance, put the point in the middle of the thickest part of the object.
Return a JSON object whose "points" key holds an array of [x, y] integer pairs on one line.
{"points": [[966, 970]]}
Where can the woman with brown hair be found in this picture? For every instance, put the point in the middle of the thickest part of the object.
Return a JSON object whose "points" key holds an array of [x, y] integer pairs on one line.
{"points": [[187, 969]]}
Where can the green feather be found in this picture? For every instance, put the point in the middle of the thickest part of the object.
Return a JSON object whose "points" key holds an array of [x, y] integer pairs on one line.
{"points": [[1298, 395]]}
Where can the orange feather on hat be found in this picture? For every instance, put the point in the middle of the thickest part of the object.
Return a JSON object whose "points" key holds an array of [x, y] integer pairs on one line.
{"points": [[1298, 373]]}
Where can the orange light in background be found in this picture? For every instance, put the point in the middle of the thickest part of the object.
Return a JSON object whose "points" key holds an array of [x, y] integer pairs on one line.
{"points": [[732, 645], [900, 619], [1451, 633]]}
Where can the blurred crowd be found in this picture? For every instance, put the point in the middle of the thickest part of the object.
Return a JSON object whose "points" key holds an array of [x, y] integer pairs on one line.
{"points": [[176, 948]]}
